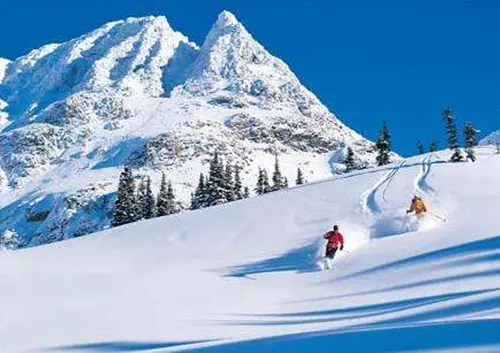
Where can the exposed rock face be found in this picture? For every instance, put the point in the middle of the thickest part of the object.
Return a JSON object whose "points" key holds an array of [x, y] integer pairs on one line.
{"points": [[137, 92]]}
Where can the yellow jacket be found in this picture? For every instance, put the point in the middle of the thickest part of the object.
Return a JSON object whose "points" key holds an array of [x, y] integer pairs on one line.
{"points": [[417, 206]]}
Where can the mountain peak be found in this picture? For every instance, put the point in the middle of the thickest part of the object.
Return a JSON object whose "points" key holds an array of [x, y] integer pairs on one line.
{"points": [[225, 19]]}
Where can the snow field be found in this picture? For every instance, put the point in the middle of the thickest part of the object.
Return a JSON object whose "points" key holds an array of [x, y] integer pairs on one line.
{"points": [[243, 276]]}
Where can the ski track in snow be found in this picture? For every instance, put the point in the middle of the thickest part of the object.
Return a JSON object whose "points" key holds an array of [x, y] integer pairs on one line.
{"points": [[369, 202], [421, 185]]}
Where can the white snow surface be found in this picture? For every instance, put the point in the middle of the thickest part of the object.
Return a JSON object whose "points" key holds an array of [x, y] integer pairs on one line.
{"points": [[243, 277], [4, 63], [491, 139], [136, 92]]}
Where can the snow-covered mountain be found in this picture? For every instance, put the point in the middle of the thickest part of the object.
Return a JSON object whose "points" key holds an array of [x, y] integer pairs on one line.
{"points": [[242, 277], [137, 92], [491, 139]]}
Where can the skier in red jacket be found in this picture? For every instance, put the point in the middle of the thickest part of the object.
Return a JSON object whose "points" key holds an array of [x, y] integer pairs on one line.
{"points": [[335, 242]]}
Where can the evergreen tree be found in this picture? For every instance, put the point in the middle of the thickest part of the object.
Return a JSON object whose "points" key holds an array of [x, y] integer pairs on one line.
{"points": [[229, 183], [141, 199], [149, 201], [259, 187], [470, 141], [349, 161], [285, 183], [278, 181], [165, 204], [433, 146], [162, 198], [265, 182], [451, 130], [300, 177], [246, 192], [198, 199], [171, 205], [420, 147], [498, 148], [216, 186], [383, 146], [126, 203], [238, 185]]}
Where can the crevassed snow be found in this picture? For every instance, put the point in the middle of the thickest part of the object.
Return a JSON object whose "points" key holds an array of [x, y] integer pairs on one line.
{"points": [[243, 277]]}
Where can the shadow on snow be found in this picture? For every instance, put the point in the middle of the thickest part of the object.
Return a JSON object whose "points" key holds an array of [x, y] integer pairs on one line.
{"points": [[301, 260], [381, 339], [123, 346]]}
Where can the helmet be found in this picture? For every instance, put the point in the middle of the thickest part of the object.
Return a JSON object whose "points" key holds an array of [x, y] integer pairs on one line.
{"points": [[335, 227]]}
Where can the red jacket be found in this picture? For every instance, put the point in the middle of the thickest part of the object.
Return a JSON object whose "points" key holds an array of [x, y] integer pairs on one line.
{"points": [[334, 239]]}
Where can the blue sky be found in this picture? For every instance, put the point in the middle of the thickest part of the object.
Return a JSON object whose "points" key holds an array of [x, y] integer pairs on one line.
{"points": [[368, 61]]}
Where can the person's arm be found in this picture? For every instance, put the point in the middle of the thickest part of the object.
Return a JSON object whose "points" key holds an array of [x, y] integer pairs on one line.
{"points": [[326, 235], [341, 241], [425, 207], [412, 207]]}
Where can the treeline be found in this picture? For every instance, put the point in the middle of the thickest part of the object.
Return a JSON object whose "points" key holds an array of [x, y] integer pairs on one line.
{"points": [[470, 134], [223, 184], [137, 203], [383, 143], [452, 142]]}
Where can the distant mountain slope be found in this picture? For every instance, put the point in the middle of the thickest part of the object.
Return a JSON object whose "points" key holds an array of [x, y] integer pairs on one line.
{"points": [[136, 92], [491, 139]]}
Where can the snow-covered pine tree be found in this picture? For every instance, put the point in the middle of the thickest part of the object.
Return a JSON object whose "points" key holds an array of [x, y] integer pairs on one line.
{"points": [[265, 182], [259, 187], [246, 192], [198, 198], [229, 183], [162, 198], [451, 130], [216, 188], [126, 202], [171, 205], [420, 147], [349, 161], [299, 180], [149, 201], [278, 181], [470, 141], [383, 146], [140, 197], [285, 183], [238, 185], [433, 147]]}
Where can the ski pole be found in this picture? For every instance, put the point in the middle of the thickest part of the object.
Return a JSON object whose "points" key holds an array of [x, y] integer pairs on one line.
{"points": [[438, 217]]}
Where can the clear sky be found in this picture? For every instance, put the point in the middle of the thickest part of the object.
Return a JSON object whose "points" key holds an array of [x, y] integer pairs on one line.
{"points": [[401, 61]]}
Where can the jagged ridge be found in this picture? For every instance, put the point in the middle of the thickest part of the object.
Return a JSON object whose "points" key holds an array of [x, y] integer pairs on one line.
{"points": [[137, 92]]}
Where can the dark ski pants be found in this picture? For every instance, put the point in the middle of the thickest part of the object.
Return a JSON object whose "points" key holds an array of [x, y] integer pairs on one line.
{"points": [[330, 252]]}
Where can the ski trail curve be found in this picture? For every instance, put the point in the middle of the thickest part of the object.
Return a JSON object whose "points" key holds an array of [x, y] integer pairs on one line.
{"points": [[369, 202], [421, 185]]}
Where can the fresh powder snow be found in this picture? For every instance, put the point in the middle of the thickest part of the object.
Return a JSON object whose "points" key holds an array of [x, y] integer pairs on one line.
{"points": [[244, 277]]}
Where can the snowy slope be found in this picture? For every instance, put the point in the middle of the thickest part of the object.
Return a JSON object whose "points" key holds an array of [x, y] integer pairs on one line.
{"points": [[491, 139], [4, 63], [135, 92], [243, 277]]}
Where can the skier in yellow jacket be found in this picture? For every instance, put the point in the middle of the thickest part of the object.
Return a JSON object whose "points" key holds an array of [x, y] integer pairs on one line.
{"points": [[417, 206]]}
